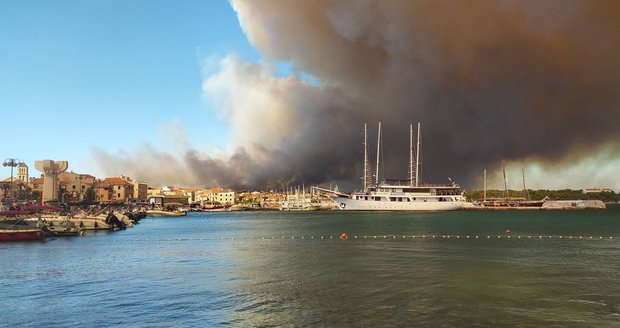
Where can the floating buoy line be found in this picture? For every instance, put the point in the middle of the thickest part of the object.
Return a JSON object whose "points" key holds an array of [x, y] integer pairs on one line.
{"points": [[345, 236]]}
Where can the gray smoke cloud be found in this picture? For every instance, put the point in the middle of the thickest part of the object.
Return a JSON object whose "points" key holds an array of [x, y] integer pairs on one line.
{"points": [[534, 83]]}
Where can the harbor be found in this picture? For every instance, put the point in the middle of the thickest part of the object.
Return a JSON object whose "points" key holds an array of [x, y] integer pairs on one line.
{"points": [[38, 222], [310, 163], [278, 268]]}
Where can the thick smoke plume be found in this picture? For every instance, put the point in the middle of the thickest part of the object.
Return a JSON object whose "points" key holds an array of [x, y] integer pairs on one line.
{"points": [[535, 83]]}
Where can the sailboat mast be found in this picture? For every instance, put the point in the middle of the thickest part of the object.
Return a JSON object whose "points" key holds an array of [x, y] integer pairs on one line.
{"points": [[526, 193], [411, 155], [378, 144], [366, 166], [417, 159], [505, 182], [484, 195]]}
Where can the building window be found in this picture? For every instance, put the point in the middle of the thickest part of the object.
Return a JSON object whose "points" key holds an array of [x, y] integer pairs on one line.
{"points": [[119, 195]]}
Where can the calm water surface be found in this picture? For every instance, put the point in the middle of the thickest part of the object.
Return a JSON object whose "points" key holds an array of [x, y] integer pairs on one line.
{"points": [[215, 269]]}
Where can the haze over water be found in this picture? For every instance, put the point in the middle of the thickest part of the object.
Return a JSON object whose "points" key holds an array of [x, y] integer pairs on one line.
{"points": [[180, 272]]}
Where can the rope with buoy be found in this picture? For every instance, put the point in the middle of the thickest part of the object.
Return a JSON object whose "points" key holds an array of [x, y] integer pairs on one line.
{"points": [[345, 236]]}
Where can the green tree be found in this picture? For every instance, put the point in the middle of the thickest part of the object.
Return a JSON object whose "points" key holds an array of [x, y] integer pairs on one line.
{"points": [[90, 195]]}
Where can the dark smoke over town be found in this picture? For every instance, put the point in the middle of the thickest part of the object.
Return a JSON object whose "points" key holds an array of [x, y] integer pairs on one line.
{"points": [[535, 83]]}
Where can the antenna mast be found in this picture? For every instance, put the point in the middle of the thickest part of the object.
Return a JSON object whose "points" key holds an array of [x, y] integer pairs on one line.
{"points": [[378, 144], [417, 159]]}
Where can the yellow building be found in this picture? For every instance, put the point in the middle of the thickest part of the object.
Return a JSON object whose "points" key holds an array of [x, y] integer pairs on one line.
{"points": [[140, 189]]}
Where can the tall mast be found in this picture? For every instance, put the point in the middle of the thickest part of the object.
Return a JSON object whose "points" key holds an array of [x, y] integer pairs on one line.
{"points": [[417, 159], [526, 193], [484, 196], [411, 155], [367, 176], [505, 182], [378, 144]]}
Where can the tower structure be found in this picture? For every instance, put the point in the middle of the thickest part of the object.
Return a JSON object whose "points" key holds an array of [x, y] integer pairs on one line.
{"points": [[50, 170], [22, 172]]}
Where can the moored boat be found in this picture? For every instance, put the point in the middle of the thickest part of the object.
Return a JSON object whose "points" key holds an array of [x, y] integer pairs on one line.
{"points": [[399, 195], [161, 213], [20, 234]]}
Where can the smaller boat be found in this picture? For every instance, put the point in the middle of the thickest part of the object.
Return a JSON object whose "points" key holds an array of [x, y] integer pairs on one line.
{"points": [[20, 234], [301, 205], [61, 229], [161, 213], [238, 207]]}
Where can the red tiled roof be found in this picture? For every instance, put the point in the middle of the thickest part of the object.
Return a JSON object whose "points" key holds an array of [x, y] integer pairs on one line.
{"points": [[37, 181], [116, 181]]}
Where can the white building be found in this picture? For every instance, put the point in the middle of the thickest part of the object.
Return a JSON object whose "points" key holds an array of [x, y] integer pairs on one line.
{"points": [[596, 190], [225, 197]]}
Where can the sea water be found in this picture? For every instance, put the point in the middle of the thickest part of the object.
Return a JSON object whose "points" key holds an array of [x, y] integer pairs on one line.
{"points": [[274, 269]]}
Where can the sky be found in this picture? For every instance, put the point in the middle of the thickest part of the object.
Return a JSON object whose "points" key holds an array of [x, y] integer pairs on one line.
{"points": [[268, 94], [110, 74]]}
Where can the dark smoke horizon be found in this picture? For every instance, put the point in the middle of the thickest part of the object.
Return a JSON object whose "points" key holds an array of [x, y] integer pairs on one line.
{"points": [[535, 83]]}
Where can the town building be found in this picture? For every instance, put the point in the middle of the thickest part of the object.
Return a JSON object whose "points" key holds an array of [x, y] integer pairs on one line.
{"points": [[76, 184], [168, 202], [225, 197], [212, 196], [37, 185], [22, 172], [114, 190], [596, 190], [140, 189]]}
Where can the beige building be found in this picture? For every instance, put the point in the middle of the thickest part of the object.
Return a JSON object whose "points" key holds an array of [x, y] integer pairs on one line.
{"points": [[114, 190], [76, 184], [140, 189], [22, 172]]}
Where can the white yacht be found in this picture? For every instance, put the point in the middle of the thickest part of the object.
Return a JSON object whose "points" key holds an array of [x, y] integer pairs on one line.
{"points": [[400, 195]]}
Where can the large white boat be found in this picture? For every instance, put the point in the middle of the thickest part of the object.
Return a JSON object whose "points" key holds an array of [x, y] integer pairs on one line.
{"points": [[400, 195]]}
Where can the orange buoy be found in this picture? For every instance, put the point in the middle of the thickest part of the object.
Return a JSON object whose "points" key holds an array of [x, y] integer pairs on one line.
{"points": [[343, 235]]}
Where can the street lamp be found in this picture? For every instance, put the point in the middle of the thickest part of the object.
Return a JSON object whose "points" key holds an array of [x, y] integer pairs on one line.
{"points": [[12, 162]]}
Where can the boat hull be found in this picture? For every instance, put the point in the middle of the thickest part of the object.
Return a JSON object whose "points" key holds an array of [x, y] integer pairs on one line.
{"points": [[348, 204], [8, 235], [157, 213]]}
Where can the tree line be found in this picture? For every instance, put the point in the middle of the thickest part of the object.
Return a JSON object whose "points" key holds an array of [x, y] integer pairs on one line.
{"points": [[563, 194]]}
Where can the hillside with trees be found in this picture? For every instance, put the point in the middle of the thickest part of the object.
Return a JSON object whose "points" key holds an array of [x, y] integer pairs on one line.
{"points": [[563, 194]]}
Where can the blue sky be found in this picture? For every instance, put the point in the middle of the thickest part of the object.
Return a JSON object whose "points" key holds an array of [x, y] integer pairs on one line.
{"points": [[111, 74]]}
